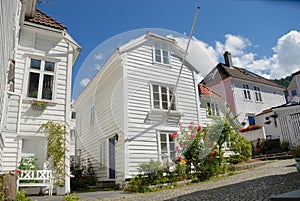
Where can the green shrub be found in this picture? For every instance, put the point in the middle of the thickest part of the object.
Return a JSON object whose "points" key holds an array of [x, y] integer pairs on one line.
{"points": [[22, 197], [234, 159], [71, 197], [241, 146], [284, 145]]}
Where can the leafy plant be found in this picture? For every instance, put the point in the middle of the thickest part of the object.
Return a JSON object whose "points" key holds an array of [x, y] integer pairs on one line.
{"points": [[71, 197], [240, 146], [22, 197], [56, 148], [28, 163], [296, 151], [284, 145]]}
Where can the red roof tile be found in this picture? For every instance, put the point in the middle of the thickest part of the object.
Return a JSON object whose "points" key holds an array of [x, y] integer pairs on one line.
{"points": [[44, 19], [204, 90]]}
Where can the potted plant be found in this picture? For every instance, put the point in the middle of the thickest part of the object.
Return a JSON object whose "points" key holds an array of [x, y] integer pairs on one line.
{"points": [[38, 105], [296, 155]]}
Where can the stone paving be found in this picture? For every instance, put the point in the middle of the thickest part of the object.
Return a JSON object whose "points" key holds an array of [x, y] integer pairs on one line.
{"points": [[259, 183]]}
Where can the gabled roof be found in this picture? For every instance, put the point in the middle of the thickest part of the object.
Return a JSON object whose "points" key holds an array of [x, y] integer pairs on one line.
{"points": [[296, 73], [204, 90], [167, 40], [222, 71], [43, 19]]}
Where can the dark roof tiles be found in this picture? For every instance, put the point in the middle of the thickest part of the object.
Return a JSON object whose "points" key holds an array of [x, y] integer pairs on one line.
{"points": [[224, 72]]}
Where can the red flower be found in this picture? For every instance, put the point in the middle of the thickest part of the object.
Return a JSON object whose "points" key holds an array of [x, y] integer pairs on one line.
{"points": [[178, 158], [198, 128], [190, 127], [214, 153], [174, 135]]}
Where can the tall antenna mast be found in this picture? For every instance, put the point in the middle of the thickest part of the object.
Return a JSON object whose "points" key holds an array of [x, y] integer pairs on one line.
{"points": [[183, 60]]}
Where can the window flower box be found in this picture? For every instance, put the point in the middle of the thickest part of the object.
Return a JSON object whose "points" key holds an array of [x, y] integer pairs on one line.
{"points": [[38, 105], [250, 128]]}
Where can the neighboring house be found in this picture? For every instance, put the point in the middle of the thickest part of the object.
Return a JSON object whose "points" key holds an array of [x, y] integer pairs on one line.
{"points": [[245, 92], [72, 135], [212, 104], [9, 26], [44, 57], [294, 87], [122, 115], [282, 122]]}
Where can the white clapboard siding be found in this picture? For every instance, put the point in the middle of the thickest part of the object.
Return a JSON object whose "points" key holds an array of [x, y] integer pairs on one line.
{"points": [[141, 72], [27, 121], [9, 20], [121, 95], [271, 97]]}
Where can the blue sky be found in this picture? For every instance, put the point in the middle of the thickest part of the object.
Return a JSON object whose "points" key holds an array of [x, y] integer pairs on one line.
{"points": [[262, 35]]}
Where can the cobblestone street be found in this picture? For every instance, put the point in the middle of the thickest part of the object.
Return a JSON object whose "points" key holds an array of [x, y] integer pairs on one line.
{"points": [[259, 183]]}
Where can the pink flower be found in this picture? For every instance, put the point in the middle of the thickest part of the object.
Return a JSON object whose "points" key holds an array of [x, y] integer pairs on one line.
{"points": [[198, 128], [177, 148], [179, 124], [190, 127], [174, 135], [192, 122], [193, 135]]}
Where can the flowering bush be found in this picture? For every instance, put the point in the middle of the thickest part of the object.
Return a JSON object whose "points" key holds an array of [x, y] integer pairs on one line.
{"points": [[194, 145], [28, 163], [15, 172]]}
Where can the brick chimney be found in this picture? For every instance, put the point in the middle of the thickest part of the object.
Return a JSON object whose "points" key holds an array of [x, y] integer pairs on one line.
{"points": [[227, 58]]}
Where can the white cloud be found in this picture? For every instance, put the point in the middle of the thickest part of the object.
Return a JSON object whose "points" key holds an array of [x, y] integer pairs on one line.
{"points": [[98, 56], [284, 61], [234, 44], [201, 53], [84, 82]]}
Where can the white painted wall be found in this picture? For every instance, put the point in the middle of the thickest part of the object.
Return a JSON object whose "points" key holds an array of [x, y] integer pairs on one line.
{"points": [[9, 26], [121, 94], [232, 89]]}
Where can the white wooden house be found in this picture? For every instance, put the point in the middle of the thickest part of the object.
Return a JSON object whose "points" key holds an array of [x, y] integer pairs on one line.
{"points": [[245, 92], [294, 88], [122, 115], [9, 21], [42, 70], [282, 122]]}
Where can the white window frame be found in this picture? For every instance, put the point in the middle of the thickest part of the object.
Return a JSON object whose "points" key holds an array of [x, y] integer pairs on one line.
{"points": [[257, 92], [41, 73], [160, 86], [162, 49], [246, 92], [168, 137], [213, 108]]}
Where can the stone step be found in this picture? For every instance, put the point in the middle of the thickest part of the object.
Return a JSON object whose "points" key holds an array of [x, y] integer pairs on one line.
{"points": [[292, 195]]}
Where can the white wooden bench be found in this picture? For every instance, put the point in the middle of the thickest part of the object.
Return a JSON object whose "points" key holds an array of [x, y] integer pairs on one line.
{"points": [[36, 178]]}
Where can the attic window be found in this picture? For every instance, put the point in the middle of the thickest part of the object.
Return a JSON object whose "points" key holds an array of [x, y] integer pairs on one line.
{"points": [[161, 54]]}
